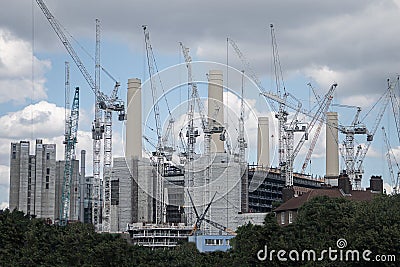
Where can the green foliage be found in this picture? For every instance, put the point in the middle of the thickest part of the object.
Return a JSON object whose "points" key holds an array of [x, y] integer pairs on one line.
{"points": [[374, 225]]}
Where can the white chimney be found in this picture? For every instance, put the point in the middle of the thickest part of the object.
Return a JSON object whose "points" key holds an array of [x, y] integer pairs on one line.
{"points": [[263, 142], [332, 148], [133, 134], [216, 107]]}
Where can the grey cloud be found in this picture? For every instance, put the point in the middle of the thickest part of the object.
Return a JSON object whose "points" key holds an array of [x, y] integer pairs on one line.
{"points": [[357, 37]]}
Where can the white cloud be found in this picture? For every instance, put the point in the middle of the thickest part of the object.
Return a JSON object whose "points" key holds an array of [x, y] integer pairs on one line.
{"points": [[16, 64], [43, 119], [3, 205], [4, 175]]}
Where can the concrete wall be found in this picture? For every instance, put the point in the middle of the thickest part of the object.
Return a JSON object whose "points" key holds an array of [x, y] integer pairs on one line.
{"points": [[224, 177], [46, 181]]}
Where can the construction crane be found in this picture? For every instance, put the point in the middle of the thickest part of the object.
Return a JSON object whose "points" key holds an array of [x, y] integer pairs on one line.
{"points": [[202, 217], [70, 140], [286, 129], [389, 154], [359, 158], [354, 157], [208, 127], [395, 106], [356, 128], [102, 102], [241, 140], [320, 116], [159, 153]]}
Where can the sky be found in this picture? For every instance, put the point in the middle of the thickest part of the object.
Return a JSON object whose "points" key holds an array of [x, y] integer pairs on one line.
{"points": [[354, 43]]}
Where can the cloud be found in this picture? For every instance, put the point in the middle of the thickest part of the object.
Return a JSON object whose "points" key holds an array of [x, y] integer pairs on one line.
{"points": [[16, 71], [3, 205], [44, 119], [4, 175]]}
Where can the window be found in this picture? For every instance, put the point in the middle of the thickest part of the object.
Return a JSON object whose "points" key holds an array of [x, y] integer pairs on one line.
{"points": [[213, 242], [48, 171], [14, 155], [290, 217], [283, 217], [47, 155], [47, 185], [47, 178]]}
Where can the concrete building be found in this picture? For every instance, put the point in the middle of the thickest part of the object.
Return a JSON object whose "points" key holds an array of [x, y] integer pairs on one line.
{"points": [[266, 184], [131, 192], [32, 179], [158, 236]]}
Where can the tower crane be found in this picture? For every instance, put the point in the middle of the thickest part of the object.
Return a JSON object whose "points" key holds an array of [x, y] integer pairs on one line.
{"points": [[102, 102], [241, 140], [359, 158], [389, 154], [395, 106], [354, 157], [356, 128], [208, 126], [159, 153], [70, 139], [192, 133], [319, 116], [287, 151]]}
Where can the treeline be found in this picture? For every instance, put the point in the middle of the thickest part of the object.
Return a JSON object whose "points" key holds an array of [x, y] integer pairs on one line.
{"points": [[373, 226]]}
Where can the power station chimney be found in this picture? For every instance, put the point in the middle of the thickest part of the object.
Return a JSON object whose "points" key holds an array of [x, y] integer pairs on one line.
{"points": [[133, 134], [216, 107], [332, 149], [263, 142]]}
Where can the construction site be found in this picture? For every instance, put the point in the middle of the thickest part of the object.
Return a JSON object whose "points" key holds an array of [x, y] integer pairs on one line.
{"points": [[185, 174]]}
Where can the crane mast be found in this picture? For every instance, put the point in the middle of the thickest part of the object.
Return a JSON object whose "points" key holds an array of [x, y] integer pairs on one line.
{"points": [[70, 142], [102, 102], [241, 140], [348, 144], [320, 117], [159, 153], [97, 135], [359, 158], [389, 154], [192, 133]]}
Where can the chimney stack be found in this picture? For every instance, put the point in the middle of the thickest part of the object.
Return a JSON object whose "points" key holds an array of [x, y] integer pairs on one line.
{"points": [[133, 134], [216, 107], [263, 142], [344, 183], [376, 184], [332, 149]]}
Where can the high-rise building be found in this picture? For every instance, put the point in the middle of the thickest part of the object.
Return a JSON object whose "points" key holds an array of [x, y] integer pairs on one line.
{"points": [[32, 179]]}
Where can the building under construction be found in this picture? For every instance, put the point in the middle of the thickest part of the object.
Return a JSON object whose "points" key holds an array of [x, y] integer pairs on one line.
{"points": [[159, 201]]}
